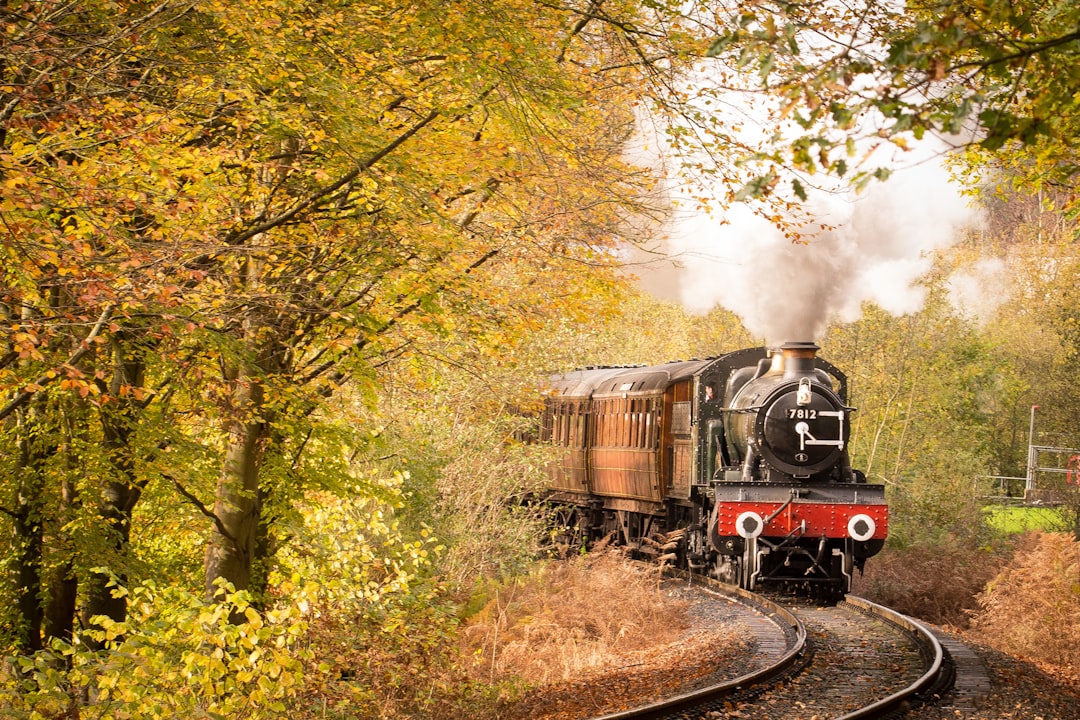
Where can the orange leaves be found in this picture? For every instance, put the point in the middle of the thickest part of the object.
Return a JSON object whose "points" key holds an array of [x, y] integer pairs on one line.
{"points": [[25, 344]]}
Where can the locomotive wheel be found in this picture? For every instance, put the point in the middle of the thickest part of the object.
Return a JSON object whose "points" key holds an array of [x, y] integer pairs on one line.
{"points": [[728, 569]]}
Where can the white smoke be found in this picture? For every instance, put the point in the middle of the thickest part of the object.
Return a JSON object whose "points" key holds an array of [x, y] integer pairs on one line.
{"points": [[881, 244], [980, 289]]}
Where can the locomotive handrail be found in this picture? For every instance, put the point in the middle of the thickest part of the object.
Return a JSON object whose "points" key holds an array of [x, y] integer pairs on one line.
{"points": [[935, 657]]}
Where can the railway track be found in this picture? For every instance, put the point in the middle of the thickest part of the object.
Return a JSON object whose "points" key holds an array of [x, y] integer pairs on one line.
{"points": [[850, 661]]}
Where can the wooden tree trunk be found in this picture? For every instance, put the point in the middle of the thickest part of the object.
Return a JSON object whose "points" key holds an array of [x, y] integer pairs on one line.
{"points": [[63, 584], [60, 610], [29, 517], [119, 418], [231, 550], [234, 545], [237, 539]]}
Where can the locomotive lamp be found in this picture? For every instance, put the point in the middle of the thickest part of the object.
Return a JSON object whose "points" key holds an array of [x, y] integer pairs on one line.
{"points": [[749, 525], [861, 527], [804, 394]]}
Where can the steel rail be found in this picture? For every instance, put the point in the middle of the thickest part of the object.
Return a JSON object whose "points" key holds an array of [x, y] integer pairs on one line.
{"points": [[933, 653], [786, 622]]}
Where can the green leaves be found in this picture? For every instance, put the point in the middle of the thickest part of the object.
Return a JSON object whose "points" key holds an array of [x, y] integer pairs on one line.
{"points": [[757, 187], [1001, 127], [1003, 70], [176, 656]]}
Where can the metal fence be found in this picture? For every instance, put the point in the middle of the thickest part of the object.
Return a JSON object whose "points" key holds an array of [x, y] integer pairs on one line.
{"points": [[1051, 473]]}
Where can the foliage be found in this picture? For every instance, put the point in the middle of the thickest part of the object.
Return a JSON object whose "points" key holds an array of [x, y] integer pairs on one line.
{"points": [[356, 622], [279, 278], [352, 552], [218, 215], [382, 630], [928, 389], [476, 489], [848, 77], [549, 628], [1032, 608], [176, 655], [935, 579], [1035, 331]]}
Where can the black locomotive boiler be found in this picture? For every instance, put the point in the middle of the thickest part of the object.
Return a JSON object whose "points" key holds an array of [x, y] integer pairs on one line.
{"points": [[736, 466]]}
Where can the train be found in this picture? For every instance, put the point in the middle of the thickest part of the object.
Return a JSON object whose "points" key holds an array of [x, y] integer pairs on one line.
{"points": [[735, 466]]}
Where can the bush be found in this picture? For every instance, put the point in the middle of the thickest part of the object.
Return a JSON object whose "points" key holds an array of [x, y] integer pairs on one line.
{"points": [[937, 581], [1032, 608], [177, 656], [357, 627]]}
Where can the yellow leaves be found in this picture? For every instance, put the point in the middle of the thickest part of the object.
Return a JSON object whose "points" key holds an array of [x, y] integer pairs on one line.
{"points": [[14, 182], [80, 386]]}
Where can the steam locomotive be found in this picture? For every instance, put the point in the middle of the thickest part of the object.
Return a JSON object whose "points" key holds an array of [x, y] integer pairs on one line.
{"points": [[736, 466]]}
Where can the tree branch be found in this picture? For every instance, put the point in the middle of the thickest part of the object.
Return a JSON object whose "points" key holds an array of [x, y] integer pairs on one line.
{"points": [[325, 194], [24, 395], [1021, 53], [201, 508]]}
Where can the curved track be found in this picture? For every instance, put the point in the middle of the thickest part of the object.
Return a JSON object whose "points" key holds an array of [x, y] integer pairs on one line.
{"points": [[780, 639], [851, 661]]}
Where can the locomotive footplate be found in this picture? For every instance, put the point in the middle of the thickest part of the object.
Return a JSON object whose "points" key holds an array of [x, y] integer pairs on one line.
{"points": [[856, 493]]}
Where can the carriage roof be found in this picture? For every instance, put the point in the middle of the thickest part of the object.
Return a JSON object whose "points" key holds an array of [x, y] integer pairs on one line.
{"points": [[603, 380]]}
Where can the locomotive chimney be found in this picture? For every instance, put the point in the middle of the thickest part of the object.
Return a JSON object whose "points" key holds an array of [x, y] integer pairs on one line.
{"points": [[798, 358]]}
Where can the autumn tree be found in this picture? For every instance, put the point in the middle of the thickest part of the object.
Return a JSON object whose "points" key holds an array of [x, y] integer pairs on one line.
{"points": [[219, 214], [88, 199], [386, 192]]}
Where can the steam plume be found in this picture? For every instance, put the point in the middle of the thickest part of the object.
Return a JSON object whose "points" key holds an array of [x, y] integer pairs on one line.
{"points": [[881, 244]]}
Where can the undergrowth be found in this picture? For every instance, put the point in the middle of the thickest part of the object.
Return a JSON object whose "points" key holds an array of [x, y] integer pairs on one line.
{"points": [[937, 580], [1023, 600], [568, 618], [1032, 608]]}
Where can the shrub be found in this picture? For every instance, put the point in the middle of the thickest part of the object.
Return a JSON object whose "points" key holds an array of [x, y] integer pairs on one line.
{"points": [[176, 656], [937, 581], [357, 627], [1032, 608]]}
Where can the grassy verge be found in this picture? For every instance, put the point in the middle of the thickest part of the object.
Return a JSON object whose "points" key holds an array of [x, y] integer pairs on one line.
{"points": [[1016, 519], [568, 618]]}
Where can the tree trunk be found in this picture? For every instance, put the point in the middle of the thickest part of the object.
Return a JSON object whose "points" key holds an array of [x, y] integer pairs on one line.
{"points": [[29, 524], [231, 550], [63, 584], [61, 607], [119, 419], [234, 552]]}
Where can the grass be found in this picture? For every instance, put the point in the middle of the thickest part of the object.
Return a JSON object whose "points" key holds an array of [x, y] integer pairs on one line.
{"points": [[569, 618], [1016, 519]]}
